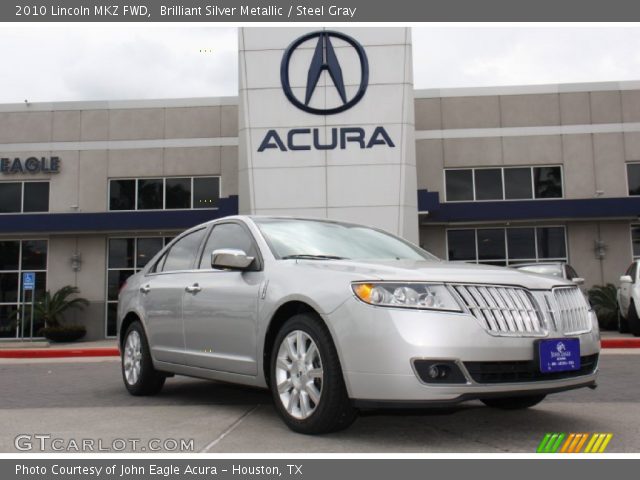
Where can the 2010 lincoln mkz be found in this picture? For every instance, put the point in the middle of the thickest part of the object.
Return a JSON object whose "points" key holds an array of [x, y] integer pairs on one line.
{"points": [[335, 317]]}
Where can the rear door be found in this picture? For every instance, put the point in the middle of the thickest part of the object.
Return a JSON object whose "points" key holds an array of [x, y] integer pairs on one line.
{"points": [[221, 310], [162, 291]]}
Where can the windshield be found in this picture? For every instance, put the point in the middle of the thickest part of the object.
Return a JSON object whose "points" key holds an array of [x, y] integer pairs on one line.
{"points": [[293, 238], [550, 270]]}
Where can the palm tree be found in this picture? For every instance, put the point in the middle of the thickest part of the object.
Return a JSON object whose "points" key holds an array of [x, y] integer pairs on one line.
{"points": [[51, 308]]}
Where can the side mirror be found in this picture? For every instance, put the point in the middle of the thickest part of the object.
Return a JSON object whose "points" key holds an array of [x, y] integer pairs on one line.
{"points": [[230, 258], [578, 280], [626, 279]]}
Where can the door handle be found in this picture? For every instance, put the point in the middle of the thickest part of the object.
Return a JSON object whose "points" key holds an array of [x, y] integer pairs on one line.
{"points": [[195, 288], [145, 289]]}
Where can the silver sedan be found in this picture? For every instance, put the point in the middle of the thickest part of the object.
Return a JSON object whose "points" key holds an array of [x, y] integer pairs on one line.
{"points": [[336, 317]]}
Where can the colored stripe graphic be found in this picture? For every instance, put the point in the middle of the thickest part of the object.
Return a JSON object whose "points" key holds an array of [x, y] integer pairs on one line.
{"points": [[573, 442], [550, 443]]}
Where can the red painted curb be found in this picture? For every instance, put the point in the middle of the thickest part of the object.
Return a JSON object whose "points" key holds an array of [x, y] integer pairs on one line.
{"points": [[114, 352], [620, 343], [59, 352]]}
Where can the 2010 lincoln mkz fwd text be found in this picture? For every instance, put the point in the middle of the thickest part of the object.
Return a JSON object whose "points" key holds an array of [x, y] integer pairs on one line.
{"points": [[335, 317]]}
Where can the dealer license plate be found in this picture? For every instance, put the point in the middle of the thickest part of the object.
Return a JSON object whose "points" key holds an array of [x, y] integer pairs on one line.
{"points": [[559, 355]]}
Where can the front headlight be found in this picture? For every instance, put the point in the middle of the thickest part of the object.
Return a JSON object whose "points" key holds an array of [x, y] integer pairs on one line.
{"points": [[426, 296]]}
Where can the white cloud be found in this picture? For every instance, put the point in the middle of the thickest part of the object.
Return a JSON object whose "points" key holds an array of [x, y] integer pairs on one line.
{"points": [[485, 56], [89, 62], [117, 63]]}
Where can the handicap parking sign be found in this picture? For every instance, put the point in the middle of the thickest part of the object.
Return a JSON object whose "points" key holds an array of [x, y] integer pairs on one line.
{"points": [[28, 281]]}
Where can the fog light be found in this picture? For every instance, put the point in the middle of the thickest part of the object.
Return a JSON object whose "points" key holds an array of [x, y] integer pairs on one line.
{"points": [[438, 371]]}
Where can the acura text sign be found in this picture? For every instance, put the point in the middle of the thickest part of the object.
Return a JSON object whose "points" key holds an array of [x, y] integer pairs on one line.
{"points": [[325, 60], [326, 125]]}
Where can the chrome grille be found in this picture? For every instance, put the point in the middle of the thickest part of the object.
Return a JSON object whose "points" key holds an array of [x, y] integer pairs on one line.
{"points": [[571, 312], [504, 311]]}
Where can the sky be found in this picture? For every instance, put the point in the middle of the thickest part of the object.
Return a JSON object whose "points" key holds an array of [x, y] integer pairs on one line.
{"points": [[116, 62]]}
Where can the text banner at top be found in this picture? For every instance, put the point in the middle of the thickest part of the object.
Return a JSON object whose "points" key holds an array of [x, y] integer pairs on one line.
{"points": [[246, 11]]}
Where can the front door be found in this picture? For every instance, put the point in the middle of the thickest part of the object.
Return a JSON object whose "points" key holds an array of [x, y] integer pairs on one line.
{"points": [[220, 307]]}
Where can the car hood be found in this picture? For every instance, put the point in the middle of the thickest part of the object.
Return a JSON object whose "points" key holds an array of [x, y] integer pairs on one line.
{"points": [[436, 271]]}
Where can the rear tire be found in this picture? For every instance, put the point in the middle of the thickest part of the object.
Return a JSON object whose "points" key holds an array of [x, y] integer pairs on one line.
{"points": [[138, 373], [514, 403], [623, 323], [634, 321], [306, 378]]}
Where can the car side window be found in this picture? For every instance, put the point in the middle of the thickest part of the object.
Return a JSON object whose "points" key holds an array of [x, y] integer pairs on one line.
{"points": [[227, 235], [183, 253], [634, 271]]}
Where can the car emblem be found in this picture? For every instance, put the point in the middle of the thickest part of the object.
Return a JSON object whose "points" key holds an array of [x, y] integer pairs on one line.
{"points": [[324, 58]]}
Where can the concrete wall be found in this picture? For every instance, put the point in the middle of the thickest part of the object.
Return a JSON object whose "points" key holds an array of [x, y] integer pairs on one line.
{"points": [[97, 144], [96, 141], [589, 129], [593, 160], [375, 186]]}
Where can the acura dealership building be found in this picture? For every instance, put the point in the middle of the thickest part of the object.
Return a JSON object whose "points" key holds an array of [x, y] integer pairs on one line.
{"points": [[326, 123]]}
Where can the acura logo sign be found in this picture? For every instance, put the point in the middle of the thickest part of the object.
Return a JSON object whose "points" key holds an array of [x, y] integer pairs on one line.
{"points": [[324, 59]]}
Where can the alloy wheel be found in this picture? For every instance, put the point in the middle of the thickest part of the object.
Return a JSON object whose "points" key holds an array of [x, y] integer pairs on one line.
{"points": [[132, 359], [299, 374]]}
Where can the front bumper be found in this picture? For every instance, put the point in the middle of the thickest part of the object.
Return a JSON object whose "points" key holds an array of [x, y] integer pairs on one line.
{"points": [[378, 346]]}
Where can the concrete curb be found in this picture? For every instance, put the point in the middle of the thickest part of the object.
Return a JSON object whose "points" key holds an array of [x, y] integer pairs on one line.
{"points": [[114, 352]]}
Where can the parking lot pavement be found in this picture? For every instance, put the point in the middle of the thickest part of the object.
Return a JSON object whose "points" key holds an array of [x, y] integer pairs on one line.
{"points": [[79, 399]]}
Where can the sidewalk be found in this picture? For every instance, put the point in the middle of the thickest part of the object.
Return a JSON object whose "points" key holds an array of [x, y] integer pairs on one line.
{"points": [[109, 348]]}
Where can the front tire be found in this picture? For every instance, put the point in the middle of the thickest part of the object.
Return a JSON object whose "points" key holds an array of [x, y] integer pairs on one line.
{"points": [[138, 373], [306, 378], [634, 321], [514, 403]]}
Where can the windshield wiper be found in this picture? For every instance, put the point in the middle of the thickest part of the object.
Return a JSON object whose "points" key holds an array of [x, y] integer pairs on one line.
{"points": [[304, 256]]}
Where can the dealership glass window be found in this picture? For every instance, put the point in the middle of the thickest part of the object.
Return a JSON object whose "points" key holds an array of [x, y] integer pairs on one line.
{"points": [[517, 183], [547, 182], [459, 185], [507, 246], [491, 244], [169, 193], [505, 183], [16, 257], [29, 197], [126, 256], [178, 193], [150, 194], [461, 245], [633, 178], [635, 241], [36, 197], [551, 242], [488, 183], [206, 192], [122, 195], [521, 243]]}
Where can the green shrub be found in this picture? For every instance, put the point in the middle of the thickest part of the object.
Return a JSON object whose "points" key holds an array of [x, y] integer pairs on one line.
{"points": [[604, 300], [51, 309]]}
